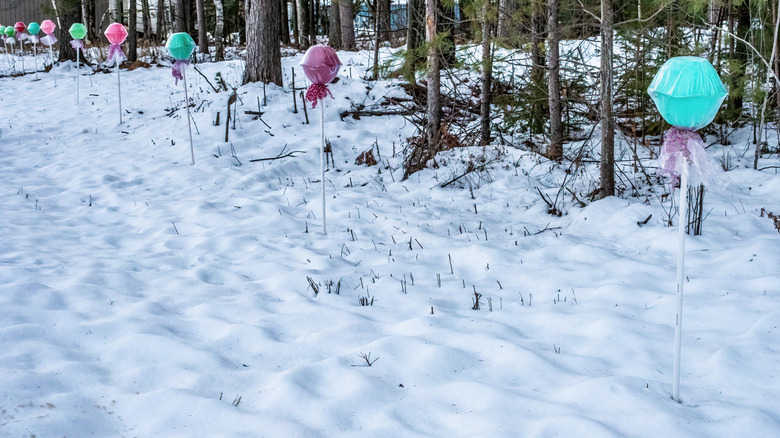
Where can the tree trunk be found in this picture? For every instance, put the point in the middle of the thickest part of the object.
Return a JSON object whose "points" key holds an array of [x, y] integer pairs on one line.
{"points": [[263, 54], [555, 152], [160, 27], [132, 37], [378, 5], [203, 39], [219, 31], [506, 9], [538, 108], [179, 16], [147, 19], [304, 23], [487, 74], [607, 118], [285, 30], [294, 20], [190, 17], [69, 12], [384, 19], [334, 18], [347, 24], [433, 111], [118, 11], [415, 29]]}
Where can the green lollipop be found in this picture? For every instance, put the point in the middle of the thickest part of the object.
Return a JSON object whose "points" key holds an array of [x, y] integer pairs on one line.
{"points": [[2, 30], [180, 45], [9, 31], [78, 31], [34, 28]]}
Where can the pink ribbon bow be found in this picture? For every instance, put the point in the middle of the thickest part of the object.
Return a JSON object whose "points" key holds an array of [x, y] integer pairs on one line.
{"points": [[178, 70], [115, 54], [77, 44], [317, 92], [683, 151]]}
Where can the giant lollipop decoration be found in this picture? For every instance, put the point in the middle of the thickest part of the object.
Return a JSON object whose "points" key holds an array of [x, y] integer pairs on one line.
{"points": [[34, 29], [688, 94], [9, 33], [19, 27], [181, 45], [2, 37], [117, 34], [320, 64], [78, 31], [48, 27]]}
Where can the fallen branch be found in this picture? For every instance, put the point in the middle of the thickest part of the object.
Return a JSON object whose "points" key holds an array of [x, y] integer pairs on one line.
{"points": [[284, 153]]}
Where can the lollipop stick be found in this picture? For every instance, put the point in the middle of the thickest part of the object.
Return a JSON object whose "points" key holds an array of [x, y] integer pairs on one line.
{"points": [[119, 90], [78, 74], [680, 277], [189, 122], [322, 162], [51, 55], [35, 56], [21, 54]]}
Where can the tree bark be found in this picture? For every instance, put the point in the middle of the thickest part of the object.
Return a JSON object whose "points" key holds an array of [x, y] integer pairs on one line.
{"points": [[555, 152], [607, 176], [69, 12], [263, 54], [118, 11], [160, 27], [304, 23], [219, 31], [284, 36], [446, 25], [347, 24], [384, 19], [179, 16], [203, 39], [433, 111], [487, 74], [132, 37], [334, 19], [538, 108], [147, 19]]}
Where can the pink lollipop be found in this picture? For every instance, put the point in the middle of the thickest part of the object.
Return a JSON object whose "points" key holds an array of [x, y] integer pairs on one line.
{"points": [[116, 34], [48, 27], [320, 64], [19, 27]]}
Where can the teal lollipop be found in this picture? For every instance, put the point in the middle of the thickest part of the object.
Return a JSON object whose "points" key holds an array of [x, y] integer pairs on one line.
{"points": [[34, 28], [180, 45], [687, 92]]}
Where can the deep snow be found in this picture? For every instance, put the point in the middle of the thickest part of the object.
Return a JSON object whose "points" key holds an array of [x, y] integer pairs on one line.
{"points": [[143, 296]]}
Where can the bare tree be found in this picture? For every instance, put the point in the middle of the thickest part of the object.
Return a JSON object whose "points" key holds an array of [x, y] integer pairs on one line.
{"points": [[487, 73], [304, 22], [334, 19], [285, 29], [219, 31], [415, 36], [203, 39], [147, 19], [263, 54], [347, 24], [160, 27], [607, 176], [555, 151], [132, 51], [179, 16], [433, 112]]}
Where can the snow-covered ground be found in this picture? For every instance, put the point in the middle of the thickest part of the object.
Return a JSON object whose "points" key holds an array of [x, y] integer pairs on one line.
{"points": [[144, 296]]}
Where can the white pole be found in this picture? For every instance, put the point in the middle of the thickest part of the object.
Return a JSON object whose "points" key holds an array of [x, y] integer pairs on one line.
{"points": [[78, 74], [189, 122], [119, 90], [322, 162], [35, 55], [21, 53], [51, 55], [683, 222]]}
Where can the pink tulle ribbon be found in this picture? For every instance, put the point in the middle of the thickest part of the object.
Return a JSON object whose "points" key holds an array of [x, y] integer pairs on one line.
{"points": [[77, 44], [49, 40], [683, 151], [177, 70], [115, 54], [317, 92], [34, 39]]}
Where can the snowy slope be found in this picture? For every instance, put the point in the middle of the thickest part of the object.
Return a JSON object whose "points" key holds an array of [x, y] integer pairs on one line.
{"points": [[143, 296]]}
